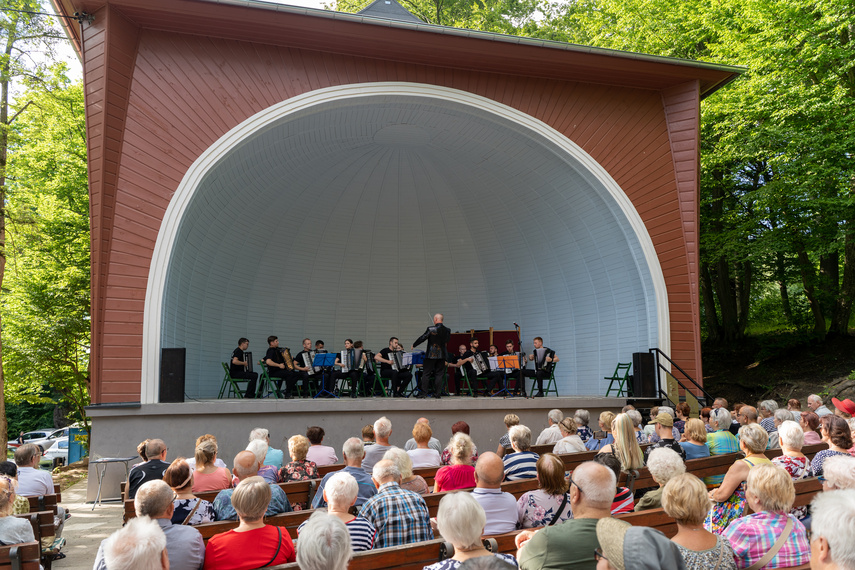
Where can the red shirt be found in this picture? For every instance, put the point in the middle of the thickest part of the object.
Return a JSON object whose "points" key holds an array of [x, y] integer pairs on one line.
{"points": [[453, 477], [248, 550]]}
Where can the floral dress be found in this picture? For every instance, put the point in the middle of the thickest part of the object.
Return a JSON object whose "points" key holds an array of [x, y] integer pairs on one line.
{"points": [[536, 509], [183, 507], [723, 513], [798, 468], [584, 432], [299, 471]]}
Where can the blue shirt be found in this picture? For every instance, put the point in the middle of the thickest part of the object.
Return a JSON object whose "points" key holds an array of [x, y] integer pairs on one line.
{"points": [[594, 444], [226, 512], [695, 451], [366, 487], [520, 465]]}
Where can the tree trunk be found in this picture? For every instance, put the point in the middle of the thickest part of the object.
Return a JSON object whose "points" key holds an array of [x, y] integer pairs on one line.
{"points": [[710, 314], [744, 298], [808, 279], [840, 321], [781, 274]]}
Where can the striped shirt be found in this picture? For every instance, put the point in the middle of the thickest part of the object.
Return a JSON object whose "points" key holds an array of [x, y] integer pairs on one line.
{"points": [[400, 516], [752, 536], [362, 533], [520, 465]]}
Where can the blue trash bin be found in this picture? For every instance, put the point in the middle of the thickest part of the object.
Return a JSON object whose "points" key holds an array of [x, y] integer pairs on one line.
{"points": [[77, 445]]}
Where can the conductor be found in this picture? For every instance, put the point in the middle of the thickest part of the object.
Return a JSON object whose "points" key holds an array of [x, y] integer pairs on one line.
{"points": [[435, 356]]}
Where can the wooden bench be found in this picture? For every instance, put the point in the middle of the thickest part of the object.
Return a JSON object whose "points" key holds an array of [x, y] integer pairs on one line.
{"points": [[42, 523], [288, 521], [24, 556]]}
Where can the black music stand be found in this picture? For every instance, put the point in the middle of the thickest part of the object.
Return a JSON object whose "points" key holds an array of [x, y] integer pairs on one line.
{"points": [[506, 363], [325, 362], [416, 357]]}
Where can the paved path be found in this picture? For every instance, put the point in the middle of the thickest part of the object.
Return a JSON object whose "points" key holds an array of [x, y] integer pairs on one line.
{"points": [[86, 528]]}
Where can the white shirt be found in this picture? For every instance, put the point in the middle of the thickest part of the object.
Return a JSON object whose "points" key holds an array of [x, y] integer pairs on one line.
{"points": [[569, 444], [433, 444], [822, 411], [550, 435], [32, 482], [424, 457], [191, 461]]}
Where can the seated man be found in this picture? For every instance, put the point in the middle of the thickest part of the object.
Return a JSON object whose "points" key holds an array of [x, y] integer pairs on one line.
{"points": [[184, 545], [552, 434], [664, 425], [571, 544], [375, 452], [33, 482], [238, 367], [246, 465], [500, 507], [277, 370], [400, 378], [139, 544], [353, 451], [350, 367], [153, 468], [400, 516], [474, 358]]}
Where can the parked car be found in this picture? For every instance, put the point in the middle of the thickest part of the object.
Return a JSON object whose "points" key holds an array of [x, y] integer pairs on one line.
{"points": [[43, 438], [59, 450]]}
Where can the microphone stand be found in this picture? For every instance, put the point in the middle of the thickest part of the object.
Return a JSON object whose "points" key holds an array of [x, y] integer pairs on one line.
{"points": [[521, 377]]}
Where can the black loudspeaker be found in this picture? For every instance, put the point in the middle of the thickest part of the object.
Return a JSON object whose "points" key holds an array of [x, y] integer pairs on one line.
{"points": [[643, 375], [172, 374]]}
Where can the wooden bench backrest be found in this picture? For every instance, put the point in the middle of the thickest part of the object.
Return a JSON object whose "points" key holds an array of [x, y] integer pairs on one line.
{"points": [[24, 556], [41, 522], [44, 503], [288, 521]]}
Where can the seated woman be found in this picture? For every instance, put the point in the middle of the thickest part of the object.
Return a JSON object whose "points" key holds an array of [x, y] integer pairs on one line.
{"points": [[267, 472], [705, 417], [320, 454], [695, 436], [423, 455], [207, 476], [791, 439], [664, 464], [340, 494], [10, 470], [636, 418], [684, 498], [809, 423], [300, 468], [838, 473], [274, 457], [836, 433], [604, 435], [252, 544], [461, 473], [191, 461], [189, 509], [625, 446], [770, 494], [720, 440], [729, 498], [550, 501], [461, 521], [326, 544], [13, 530], [409, 481], [582, 418], [682, 410], [445, 456], [511, 420], [624, 500], [522, 463], [570, 441]]}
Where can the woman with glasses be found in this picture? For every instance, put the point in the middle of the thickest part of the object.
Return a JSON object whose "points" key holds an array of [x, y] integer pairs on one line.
{"points": [[836, 433]]}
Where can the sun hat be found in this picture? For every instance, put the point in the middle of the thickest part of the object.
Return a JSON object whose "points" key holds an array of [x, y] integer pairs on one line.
{"points": [[846, 405], [610, 534]]}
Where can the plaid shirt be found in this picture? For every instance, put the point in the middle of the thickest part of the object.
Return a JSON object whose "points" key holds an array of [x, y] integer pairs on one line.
{"points": [[753, 536], [400, 516]]}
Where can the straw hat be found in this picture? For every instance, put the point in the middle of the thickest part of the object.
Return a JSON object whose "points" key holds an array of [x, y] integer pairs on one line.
{"points": [[611, 533]]}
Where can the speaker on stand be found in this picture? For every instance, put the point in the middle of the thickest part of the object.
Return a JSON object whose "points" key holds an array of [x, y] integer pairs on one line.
{"points": [[644, 375], [172, 361]]}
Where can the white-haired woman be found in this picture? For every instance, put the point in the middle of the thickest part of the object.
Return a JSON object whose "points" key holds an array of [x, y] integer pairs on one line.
{"points": [[275, 457], [791, 439], [340, 494], [664, 464], [582, 418], [636, 418], [461, 520], [252, 544], [720, 441], [13, 530], [684, 498], [729, 498], [838, 473], [522, 463], [259, 449], [570, 441], [461, 473], [207, 476], [326, 544], [409, 480]]}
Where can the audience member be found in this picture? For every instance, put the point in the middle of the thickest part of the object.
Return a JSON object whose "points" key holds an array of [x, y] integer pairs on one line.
{"points": [[780, 416], [550, 503], [791, 439], [552, 433], [705, 417], [252, 544], [461, 473], [794, 405], [570, 441], [184, 545], [664, 464], [187, 507], [400, 516], [191, 461], [815, 405], [422, 454], [500, 507], [810, 425], [246, 465], [624, 501], [685, 499], [654, 435], [833, 531], [207, 476], [664, 424], [275, 457], [299, 468], [319, 454], [836, 433], [625, 446], [139, 545], [522, 463], [510, 420], [582, 418], [635, 416], [626, 547], [458, 427], [326, 544], [375, 452], [352, 451], [33, 482], [486, 563], [838, 473], [729, 498], [340, 495], [266, 472], [368, 435], [843, 408], [682, 410], [13, 530], [766, 409], [433, 443], [770, 494], [461, 521], [10, 470], [695, 439], [719, 403], [735, 425], [571, 544], [409, 481], [153, 468], [604, 435]]}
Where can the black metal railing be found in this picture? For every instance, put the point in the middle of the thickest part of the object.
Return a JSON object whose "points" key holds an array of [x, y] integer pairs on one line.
{"points": [[659, 368]]}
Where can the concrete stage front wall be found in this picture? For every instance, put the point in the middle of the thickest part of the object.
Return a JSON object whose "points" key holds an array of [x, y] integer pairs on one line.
{"points": [[117, 431], [157, 100]]}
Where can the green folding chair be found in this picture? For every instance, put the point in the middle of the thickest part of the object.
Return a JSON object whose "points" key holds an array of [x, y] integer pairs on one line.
{"points": [[231, 383], [463, 381], [551, 384], [268, 385], [621, 376], [378, 380]]}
